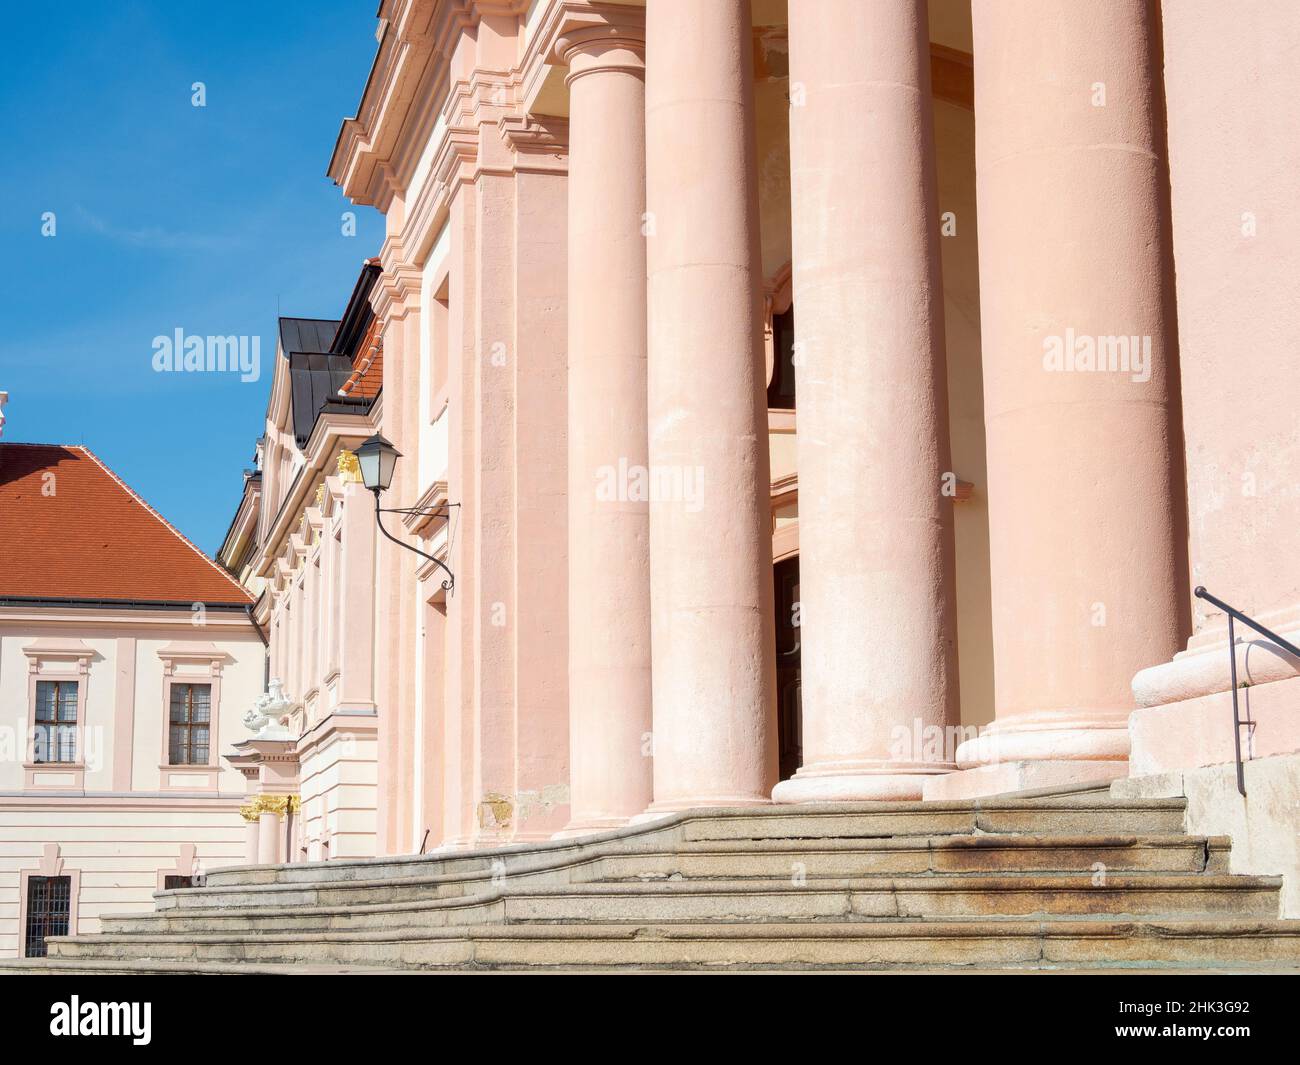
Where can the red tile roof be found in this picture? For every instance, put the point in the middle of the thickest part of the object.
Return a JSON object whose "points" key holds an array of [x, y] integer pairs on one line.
{"points": [[83, 534], [368, 377]]}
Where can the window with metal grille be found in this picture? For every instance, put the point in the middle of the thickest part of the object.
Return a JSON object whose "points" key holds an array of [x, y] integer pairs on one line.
{"points": [[55, 737], [49, 903], [190, 723], [172, 882]]}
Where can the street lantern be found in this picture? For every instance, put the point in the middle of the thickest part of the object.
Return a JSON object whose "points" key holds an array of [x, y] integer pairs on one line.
{"points": [[377, 458]]}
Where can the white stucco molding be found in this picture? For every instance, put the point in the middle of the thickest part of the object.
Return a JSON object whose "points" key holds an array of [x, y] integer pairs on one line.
{"points": [[202, 662], [197, 651], [61, 650]]}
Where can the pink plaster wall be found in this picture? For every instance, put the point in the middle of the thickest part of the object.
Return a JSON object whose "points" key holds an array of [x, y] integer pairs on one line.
{"points": [[1232, 87]]}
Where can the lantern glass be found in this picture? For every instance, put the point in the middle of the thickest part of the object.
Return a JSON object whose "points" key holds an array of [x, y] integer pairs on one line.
{"points": [[377, 459]]}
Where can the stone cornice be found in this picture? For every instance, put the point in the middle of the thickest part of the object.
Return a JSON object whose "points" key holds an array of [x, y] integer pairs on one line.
{"points": [[75, 617], [566, 26], [332, 434], [539, 143], [337, 724], [56, 648], [368, 140], [522, 143], [118, 801], [398, 288], [193, 651], [417, 39], [477, 119]]}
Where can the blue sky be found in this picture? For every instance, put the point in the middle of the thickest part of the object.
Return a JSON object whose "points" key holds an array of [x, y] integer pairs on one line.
{"points": [[210, 219]]}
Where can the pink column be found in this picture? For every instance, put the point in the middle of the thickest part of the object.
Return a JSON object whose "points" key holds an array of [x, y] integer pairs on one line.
{"points": [[1077, 319], [252, 838], [609, 554], [877, 612], [268, 838], [710, 535]]}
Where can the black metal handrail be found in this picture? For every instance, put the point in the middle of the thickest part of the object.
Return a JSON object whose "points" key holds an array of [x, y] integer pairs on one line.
{"points": [[1236, 615]]}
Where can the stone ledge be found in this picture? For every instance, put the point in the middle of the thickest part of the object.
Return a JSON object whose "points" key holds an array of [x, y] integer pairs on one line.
{"points": [[1198, 732], [1009, 778]]}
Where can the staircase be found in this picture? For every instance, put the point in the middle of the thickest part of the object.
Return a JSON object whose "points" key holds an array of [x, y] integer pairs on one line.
{"points": [[1054, 881]]}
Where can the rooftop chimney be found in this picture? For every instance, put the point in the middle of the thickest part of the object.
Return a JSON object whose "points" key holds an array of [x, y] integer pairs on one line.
{"points": [[3, 397]]}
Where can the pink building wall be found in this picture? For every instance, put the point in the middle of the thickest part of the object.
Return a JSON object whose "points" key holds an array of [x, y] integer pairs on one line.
{"points": [[464, 143], [1230, 92]]}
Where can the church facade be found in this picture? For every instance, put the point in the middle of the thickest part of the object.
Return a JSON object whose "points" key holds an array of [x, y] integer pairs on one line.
{"points": [[797, 402]]}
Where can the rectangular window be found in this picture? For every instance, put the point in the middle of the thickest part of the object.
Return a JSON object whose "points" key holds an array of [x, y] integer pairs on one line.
{"points": [[190, 722], [171, 883], [49, 903], [56, 721]]}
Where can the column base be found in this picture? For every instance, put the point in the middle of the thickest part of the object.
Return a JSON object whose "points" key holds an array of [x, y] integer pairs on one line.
{"points": [[1008, 777], [454, 843], [591, 826], [840, 782], [656, 811], [1048, 738], [540, 836]]}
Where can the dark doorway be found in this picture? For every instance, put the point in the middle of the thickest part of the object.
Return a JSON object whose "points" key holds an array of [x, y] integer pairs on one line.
{"points": [[789, 706], [781, 392]]}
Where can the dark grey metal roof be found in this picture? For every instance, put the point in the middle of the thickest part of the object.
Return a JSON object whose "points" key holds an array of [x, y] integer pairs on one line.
{"points": [[320, 351], [358, 314], [307, 334], [314, 381]]}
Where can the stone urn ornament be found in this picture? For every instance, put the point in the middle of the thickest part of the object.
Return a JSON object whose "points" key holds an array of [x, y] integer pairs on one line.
{"points": [[264, 716]]}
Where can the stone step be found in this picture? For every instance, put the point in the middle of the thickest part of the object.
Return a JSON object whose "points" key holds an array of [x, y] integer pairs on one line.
{"points": [[362, 917], [1209, 944], [1070, 880], [1066, 816], [825, 856], [965, 895], [933, 854], [928, 897], [1083, 811], [130, 967], [348, 893]]}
